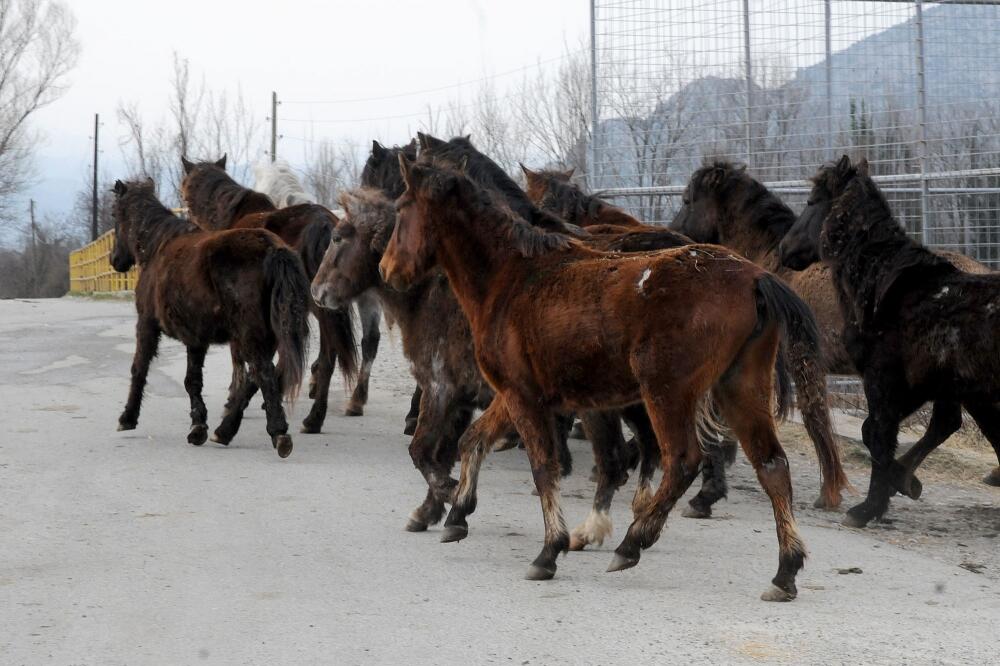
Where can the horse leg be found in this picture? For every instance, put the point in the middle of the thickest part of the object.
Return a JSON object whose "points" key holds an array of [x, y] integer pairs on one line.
{"points": [[604, 430], [473, 446], [879, 433], [946, 418], [370, 314], [432, 510], [320, 382], [564, 423], [414, 413], [147, 341], [262, 370], [193, 384], [430, 429], [987, 417], [673, 421], [713, 481], [649, 450]]}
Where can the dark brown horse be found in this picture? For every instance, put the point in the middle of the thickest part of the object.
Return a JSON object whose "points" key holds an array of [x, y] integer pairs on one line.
{"points": [[245, 288], [438, 343], [917, 327], [555, 191], [216, 202], [557, 326]]}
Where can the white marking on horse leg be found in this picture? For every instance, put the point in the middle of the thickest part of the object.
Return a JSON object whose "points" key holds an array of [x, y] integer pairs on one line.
{"points": [[594, 530]]}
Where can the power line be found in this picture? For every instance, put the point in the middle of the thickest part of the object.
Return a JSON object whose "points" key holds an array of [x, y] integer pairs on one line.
{"points": [[437, 89]]}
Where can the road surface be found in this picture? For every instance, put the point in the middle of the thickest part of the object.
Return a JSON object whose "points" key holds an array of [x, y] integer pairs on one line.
{"points": [[136, 548]]}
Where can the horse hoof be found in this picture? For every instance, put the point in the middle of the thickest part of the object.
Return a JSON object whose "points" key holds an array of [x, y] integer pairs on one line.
{"points": [[218, 439], [693, 511], [310, 428], [415, 526], [354, 410], [410, 428], [283, 444], [126, 426], [993, 478], [198, 435], [576, 432], [536, 572], [775, 593], [854, 520], [453, 533], [821, 503], [577, 543], [504, 445], [621, 563]]}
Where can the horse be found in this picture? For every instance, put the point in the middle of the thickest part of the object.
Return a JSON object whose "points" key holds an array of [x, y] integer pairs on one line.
{"points": [[556, 326], [553, 191], [381, 171], [216, 202], [242, 287], [917, 327], [437, 341], [724, 204], [279, 182]]}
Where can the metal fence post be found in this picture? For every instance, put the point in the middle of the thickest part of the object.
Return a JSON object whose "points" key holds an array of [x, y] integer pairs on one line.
{"points": [[592, 171], [749, 76], [828, 28], [922, 119]]}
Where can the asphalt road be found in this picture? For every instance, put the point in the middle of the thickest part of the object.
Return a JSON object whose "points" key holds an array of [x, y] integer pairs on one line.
{"points": [[136, 548]]}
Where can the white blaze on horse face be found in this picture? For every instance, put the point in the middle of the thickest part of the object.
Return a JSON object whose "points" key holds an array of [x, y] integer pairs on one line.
{"points": [[642, 281]]}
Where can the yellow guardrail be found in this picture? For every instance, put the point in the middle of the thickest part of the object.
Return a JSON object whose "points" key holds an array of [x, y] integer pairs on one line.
{"points": [[90, 268]]}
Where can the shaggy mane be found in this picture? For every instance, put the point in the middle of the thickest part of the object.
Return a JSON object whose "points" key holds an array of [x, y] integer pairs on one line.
{"points": [[766, 210]]}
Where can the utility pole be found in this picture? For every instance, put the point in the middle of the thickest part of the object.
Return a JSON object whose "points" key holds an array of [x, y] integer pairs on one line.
{"points": [[93, 203], [34, 249], [274, 126]]}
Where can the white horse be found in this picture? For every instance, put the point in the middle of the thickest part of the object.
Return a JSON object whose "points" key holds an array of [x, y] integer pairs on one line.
{"points": [[278, 181]]}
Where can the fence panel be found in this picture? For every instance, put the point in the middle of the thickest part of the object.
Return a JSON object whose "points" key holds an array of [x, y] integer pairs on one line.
{"points": [[90, 268]]}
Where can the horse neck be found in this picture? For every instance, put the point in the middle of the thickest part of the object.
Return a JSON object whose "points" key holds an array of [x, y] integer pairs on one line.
{"points": [[753, 234], [472, 254], [155, 230], [404, 306], [608, 214]]}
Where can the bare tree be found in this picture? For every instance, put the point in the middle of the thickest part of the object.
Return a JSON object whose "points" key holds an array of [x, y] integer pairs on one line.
{"points": [[330, 169], [37, 50]]}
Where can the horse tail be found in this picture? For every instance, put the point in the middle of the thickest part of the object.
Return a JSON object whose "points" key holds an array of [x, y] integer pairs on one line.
{"points": [[288, 286], [800, 345], [337, 326]]}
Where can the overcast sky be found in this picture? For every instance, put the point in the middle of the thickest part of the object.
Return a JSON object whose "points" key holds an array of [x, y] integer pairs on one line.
{"points": [[306, 51]]}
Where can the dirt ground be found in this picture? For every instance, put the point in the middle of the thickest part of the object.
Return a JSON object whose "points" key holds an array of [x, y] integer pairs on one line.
{"points": [[135, 547]]}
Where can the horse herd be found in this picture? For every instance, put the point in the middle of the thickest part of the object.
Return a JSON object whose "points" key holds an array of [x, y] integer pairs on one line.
{"points": [[540, 304]]}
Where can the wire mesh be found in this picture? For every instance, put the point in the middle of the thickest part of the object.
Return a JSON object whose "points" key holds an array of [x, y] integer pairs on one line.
{"points": [[785, 85]]}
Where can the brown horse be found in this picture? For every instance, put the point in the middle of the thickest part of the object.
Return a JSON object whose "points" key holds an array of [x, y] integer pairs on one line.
{"points": [[245, 288], [724, 204], [438, 343], [555, 192], [557, 326], [217, 202]]}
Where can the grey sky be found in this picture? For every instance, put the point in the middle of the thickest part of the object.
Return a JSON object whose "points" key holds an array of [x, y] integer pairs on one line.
{"points": [[306, 50]]}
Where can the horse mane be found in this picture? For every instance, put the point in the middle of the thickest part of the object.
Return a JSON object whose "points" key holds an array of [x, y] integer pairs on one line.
{"points": [[280, 184], [459, 154], [765, 210], [214, 198], [876, 256], [152, 223], [368, 207], [569, 201], [381, 170], [484, 204]]}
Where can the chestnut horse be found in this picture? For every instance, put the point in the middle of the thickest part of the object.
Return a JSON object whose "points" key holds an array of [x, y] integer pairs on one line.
{"points": [[244, 287], [555, 192], [438, 343], [917, 327], [559, 327], [215, 202]]}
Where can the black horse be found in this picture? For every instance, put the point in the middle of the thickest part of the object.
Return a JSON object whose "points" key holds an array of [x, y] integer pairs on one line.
{"points": [[916, 327]]}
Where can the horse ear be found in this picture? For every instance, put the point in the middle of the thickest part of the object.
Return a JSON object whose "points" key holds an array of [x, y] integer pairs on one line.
{"points": [[468, 137], [569, 174], [221, 163], [844, 165], [427, 141], [378, 150], [188, 164], [405, 169], [120, 188], [463, 164], [528, 173], [862, 166], [150, 181]]}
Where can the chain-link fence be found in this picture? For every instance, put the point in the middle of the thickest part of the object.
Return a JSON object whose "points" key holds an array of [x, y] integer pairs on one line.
{"points": [[784, 85]]}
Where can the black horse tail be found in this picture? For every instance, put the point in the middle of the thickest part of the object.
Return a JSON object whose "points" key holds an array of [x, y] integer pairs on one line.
{"points": [[800, 358], [288, 286], [336, 326]]}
